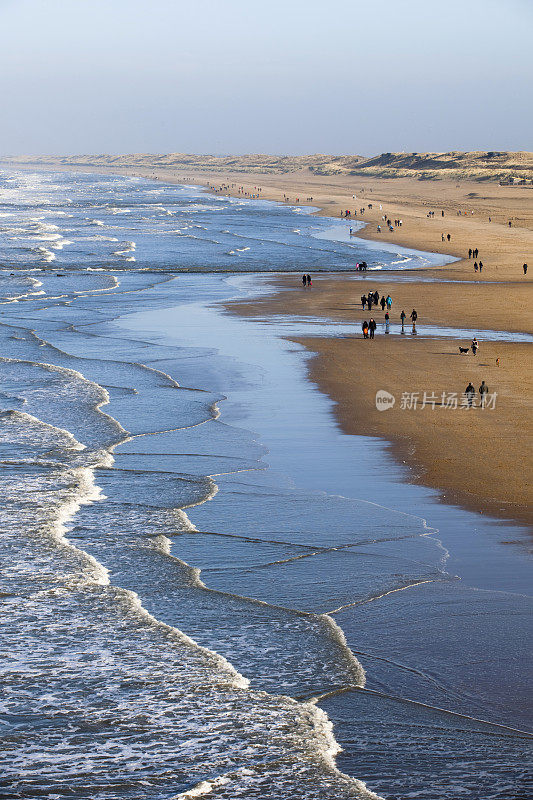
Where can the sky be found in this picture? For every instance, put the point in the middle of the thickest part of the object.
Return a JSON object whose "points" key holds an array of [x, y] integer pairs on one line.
{"points": [[280, 76]]}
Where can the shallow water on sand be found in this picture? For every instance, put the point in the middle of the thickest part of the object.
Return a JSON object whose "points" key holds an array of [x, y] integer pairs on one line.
{"points": [[196, 552]]}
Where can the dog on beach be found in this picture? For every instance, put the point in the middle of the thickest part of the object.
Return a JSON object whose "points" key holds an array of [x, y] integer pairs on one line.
{"points": [[464, 349]]}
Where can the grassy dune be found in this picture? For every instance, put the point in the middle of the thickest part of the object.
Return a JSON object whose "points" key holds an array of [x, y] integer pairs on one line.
{"points": [[477, 166]]}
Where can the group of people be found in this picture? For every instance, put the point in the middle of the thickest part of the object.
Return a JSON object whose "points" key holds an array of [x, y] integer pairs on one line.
{"points": [[470, 394], [474, 253], [369, 328], [413, 316], [372, 299], [348, 213], [306, 280]]}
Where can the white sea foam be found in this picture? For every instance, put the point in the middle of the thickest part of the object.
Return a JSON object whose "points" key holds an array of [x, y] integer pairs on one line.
{"points": [[99, 238], [46, 255], [202, 788], [127, 247]]}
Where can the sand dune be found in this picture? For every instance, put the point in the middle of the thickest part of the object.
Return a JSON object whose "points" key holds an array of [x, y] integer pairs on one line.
{"points": [[478, 166]]}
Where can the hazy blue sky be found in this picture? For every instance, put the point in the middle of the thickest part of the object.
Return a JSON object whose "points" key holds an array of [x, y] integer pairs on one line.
{"points": [[278, 76]]}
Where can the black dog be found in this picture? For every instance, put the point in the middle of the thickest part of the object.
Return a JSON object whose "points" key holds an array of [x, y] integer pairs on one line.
{"points": [[464, 349]]}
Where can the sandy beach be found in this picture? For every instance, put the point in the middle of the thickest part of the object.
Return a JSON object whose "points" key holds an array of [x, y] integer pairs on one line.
{"points": [[479, 459]]}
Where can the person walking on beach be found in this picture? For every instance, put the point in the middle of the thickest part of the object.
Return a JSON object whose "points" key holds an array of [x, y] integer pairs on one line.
{"points": [[365, 329], [372, 327], [369, 301], [448, 236], [363, 301], [402, 317], [309, 281], [304, 280], [414, 317], [483, 391], [387, 322], [480, 266], [389, 302], [382, 303], [474, 345], [525, 269], [469, 252], [470, 393], [475, 266]]}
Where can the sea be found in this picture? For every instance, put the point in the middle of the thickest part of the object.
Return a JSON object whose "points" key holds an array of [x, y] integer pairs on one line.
{"points": [[208, 589]]}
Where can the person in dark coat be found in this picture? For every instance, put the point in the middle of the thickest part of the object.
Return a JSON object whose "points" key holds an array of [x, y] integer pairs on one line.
{"points": [[470, 393]]}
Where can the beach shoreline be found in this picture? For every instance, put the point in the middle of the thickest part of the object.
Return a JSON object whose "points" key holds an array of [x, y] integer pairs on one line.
{"points": [[448, 450]]}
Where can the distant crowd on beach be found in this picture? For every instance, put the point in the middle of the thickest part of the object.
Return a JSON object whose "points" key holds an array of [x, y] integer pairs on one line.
{"points": [[373, 299]]}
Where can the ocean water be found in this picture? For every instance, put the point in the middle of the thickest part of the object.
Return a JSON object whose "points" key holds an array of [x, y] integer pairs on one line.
{"points": [[103, 222], [208, 589]]}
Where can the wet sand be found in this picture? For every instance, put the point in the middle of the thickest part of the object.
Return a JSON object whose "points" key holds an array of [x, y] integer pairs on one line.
{"points": [[478, 458]]}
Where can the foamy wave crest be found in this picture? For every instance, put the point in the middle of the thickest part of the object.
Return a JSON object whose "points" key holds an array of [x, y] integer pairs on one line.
{"points": [[127, 248], [202, 788], [45, 254]]}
